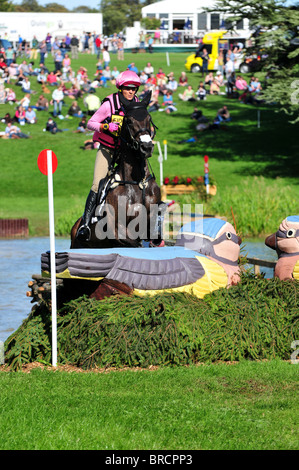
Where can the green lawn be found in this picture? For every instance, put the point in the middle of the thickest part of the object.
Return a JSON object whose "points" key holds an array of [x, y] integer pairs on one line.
{"points": [[226, 407], [241, 150]]}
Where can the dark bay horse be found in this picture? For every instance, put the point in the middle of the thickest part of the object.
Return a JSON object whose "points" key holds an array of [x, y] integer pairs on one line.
{"points": [[132, 206]]}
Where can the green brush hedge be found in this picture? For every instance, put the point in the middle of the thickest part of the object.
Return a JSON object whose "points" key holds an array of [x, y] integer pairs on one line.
{"points": [[258, 319]]}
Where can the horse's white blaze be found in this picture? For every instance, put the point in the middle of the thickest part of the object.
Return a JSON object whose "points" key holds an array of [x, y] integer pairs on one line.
{"points": [[145, 138]]}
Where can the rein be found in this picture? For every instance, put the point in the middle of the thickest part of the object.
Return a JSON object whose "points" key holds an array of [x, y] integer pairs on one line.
{"points": [[135, 145]]}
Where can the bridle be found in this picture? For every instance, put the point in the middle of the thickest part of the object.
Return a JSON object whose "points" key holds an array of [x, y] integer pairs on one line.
{"points": [[132, 142]]}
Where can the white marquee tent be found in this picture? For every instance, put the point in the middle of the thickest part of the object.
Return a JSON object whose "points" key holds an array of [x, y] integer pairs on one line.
{"points": [[189, 14]]}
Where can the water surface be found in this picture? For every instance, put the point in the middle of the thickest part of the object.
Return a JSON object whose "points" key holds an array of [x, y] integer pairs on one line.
{"points": [[21, 258]]}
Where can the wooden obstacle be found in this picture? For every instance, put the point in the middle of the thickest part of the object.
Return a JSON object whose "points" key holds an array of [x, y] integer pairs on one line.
{"points": [[14, 228]]}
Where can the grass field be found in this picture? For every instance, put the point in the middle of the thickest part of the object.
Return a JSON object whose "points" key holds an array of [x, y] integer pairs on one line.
{"points": [[241, 406], [249, 405], [240, 154]]}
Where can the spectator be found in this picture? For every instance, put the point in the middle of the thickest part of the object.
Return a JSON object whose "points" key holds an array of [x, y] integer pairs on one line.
{"points": [[51, 126], [86, 86], [42, 51], [52, 79], [92, 103], [74, 110], [26, 86], [143, 77], [219, 78], [63, 47], [58, 58], [12, 72], [23, 69], [114, 74], [188, 94], [57, 99], [107, 73], [161, 77], [74, 47], [214, 88], [20, 115], [205, 61], [41, 77], [142, 40], [133, 67], [10, 96], [9, 56], [82, 126], [241, 83], [255, 85], [66, 62], [120, 49], [42, 104], [98, 44], [154, 104], [30, 116], [229, 68], [220, 61], [55, 46], [149, 69], [223, 115], [2, 94], [201, 92], [34, 47], [48, 43], [209, 79], [150, 42], [68, 42], [25, 101], [183, 80], [168, 103], [106, 57], [13, 132], [231, 83], [172, 85], [74, 92]]}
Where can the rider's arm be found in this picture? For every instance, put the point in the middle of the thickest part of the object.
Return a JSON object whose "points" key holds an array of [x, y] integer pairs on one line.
{"points": [[95, 123]]}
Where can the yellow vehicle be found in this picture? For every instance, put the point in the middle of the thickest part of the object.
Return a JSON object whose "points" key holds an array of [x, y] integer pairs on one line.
{"points": [[212, 42]]}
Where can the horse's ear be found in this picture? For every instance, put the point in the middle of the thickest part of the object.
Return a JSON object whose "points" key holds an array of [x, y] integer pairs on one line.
{"points": [[147, 98]]}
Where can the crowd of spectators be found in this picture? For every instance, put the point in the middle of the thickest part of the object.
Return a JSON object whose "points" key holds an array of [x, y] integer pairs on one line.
{"points": [[62, 77]]}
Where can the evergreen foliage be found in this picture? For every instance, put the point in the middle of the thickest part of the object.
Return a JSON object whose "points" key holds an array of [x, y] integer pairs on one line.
{"points": [[276, 37], [256, 320]]}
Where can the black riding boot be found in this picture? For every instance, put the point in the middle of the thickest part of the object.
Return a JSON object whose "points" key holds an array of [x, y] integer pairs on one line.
{"points": [[83, 233]]}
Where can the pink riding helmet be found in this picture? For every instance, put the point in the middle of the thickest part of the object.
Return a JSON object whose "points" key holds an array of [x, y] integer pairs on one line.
{"points": [[127, 78]]}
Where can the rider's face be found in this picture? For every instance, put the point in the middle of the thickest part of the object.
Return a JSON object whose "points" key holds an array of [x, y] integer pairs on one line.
{"points": [[129, 92]]}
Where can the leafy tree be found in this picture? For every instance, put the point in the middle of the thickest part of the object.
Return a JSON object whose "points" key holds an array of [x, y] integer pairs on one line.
{"points": [[29, 5], [85, 9], [55, 8], [6, 5], [151, 23], [117, 14], [276, 29]]}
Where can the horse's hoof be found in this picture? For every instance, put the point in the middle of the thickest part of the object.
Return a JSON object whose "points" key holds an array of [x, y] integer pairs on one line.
{"points": [[157, 243], [83, 234]]}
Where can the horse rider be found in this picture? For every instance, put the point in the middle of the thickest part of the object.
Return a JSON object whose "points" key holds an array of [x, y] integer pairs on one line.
{"points": [[106, 132]]}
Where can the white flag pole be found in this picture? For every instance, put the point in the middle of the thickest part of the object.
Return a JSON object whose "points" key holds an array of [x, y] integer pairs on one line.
{"points": [[160, 160], [167, 59], [165, 149], [52, 258]]}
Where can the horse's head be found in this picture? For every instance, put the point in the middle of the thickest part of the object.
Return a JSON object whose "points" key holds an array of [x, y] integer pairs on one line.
{"points": [[138, 129]]}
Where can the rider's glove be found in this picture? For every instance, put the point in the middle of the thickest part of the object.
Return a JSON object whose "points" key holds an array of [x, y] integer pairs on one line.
{"points": [[113, 126]]}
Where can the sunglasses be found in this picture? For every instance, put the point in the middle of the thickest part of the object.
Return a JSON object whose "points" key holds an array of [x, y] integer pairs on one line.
{"points": [[130, 88]]}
